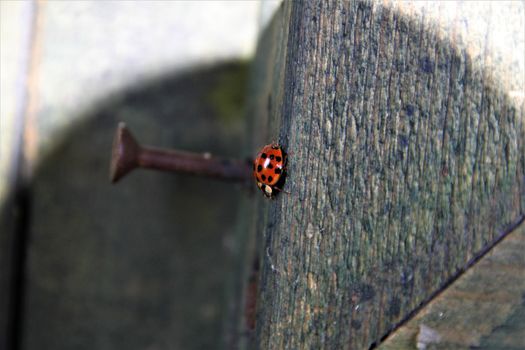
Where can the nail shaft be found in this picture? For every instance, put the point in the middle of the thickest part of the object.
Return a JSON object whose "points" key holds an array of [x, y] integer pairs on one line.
{"points": [[127, 155], [190, 163]]}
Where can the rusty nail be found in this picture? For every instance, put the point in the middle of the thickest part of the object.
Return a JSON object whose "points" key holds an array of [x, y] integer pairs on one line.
{"points": [[127, 155]]}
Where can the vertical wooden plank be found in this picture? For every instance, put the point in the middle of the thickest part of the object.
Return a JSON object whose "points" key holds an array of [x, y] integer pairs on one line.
{"points": [[143, 264], [16, 29], [407, 161]]}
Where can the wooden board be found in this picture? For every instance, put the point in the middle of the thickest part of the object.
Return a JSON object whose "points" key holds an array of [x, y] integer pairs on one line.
{"points": [[483, 309], [407, 160]]}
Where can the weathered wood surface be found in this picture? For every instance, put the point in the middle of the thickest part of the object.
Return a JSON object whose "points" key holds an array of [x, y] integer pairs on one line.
{"points": [[483, 309], [407, 144]]}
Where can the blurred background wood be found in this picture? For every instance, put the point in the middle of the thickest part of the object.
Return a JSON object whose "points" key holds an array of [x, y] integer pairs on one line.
{"points": [[145, 264], [406, 125]]}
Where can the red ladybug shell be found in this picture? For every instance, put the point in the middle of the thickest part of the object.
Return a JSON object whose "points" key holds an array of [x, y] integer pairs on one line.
{"points": [[269, 168]]}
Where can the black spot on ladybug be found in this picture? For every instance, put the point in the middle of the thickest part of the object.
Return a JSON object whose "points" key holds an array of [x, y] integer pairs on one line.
{"points": [[263, 177], [270, 178], [263, 155], [272, 156], [259, 168], [278, 158], [270, 166], [277, 170]]}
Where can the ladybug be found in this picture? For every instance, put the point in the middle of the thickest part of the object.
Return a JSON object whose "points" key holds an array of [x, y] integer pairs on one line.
{"points": [[269, 169]]}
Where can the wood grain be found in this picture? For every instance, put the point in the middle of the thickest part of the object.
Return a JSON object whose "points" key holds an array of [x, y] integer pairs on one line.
{"points": [[484, 309], [407, 160]]}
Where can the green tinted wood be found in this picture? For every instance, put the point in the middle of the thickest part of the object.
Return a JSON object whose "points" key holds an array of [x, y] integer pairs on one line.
{"points": [[407, 161]]}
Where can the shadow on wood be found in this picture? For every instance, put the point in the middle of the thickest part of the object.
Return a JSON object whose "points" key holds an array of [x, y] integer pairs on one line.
{"points": [[146, 263]]}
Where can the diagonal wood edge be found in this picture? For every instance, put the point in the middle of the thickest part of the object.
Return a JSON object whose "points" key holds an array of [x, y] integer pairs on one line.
{"points": [[475, 304], [473, 270]]}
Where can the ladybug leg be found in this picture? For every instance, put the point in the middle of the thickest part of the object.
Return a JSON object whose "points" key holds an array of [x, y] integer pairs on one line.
{"points": [[286, 155], [281, 190], [285, 164]]}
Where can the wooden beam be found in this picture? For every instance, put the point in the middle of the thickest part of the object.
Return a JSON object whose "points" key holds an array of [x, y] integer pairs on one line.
{"points": [[407, 142]]}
